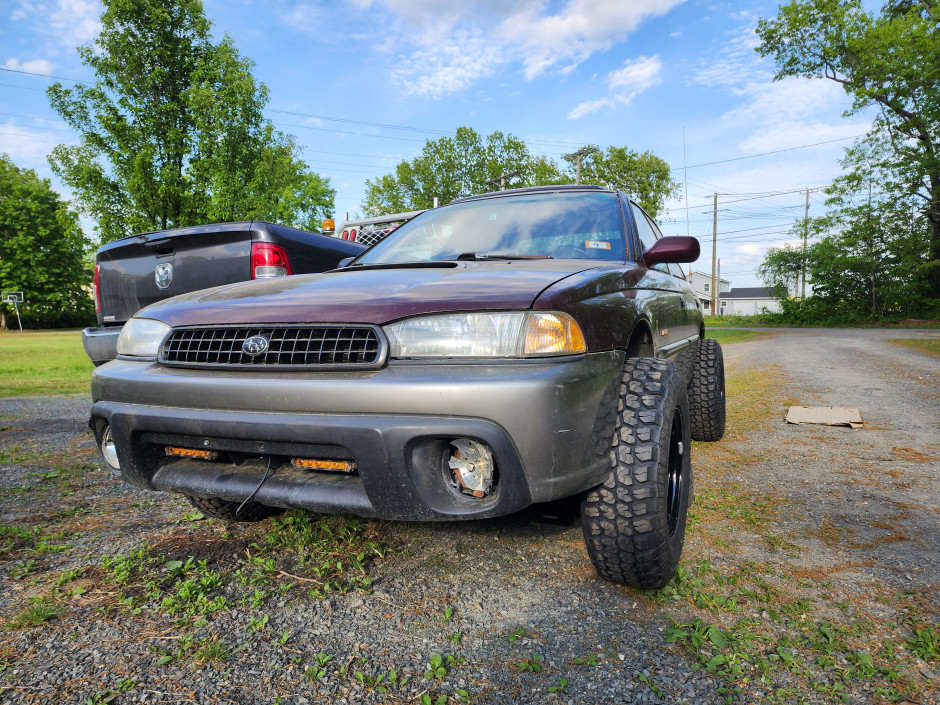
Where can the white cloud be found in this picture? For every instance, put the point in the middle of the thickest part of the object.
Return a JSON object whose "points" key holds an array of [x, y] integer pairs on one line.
{"points": [[750, 249], [448, 67], [735, 64], [638, 75], [27, 148], [71, 22], [766, 116], [635, 76], [34, 66], [76, 21], [592, 106], [459, 42], [303, 17]]}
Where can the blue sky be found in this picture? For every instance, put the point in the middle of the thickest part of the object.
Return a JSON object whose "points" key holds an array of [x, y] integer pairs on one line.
{"points": [[559, 74]]}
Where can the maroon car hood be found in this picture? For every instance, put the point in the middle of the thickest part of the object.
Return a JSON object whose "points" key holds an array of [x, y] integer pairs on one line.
{"points": [[369, 295]]}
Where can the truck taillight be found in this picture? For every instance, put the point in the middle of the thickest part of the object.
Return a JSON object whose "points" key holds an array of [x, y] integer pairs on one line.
{"points": [[96, 289], [268, 261]]}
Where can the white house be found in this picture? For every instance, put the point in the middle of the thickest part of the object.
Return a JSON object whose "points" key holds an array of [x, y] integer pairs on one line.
{"points": [[702, 285], [747, 301]]}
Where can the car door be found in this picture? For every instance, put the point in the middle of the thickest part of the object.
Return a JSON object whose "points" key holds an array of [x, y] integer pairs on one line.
{"points": [[664, 302], [686, 317]]}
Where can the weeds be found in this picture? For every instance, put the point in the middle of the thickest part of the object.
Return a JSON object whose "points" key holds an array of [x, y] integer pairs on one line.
{"points": [[648, 682], [211, 652], [532, 665], [35, 615], [318, 671], [435, 668], [925, 643]]}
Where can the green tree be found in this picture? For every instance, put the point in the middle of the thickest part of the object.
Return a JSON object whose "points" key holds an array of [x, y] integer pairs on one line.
{"points": [[172, 131], [467, 164], [781, 270], [644, 176], [869, 260], [451, 167], [43, 252], [889, 61]]}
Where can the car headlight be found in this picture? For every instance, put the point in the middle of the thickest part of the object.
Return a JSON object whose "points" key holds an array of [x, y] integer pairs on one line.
{"points": [[141, 337], [514, 334]]}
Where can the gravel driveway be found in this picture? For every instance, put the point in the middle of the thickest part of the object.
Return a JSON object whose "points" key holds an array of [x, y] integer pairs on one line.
{"points": [[810, 573]]}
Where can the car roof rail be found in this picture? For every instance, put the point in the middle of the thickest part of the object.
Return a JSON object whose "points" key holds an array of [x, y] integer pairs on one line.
{"points": [[532, 189]]}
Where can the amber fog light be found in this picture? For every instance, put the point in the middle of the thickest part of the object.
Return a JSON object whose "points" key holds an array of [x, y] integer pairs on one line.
{"points": [[192, 453], [346, 466]]}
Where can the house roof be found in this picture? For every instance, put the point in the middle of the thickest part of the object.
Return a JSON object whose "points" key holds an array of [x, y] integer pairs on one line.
{"points": [[748, 292], [709, 276]]}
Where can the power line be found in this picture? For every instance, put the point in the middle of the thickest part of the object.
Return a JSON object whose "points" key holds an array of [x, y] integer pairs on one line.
{"points": [[776, 151], [44, 75], [443, 132], [25, 88], [23, 134]]}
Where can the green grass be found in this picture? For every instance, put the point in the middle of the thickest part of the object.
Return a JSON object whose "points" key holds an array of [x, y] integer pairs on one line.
{"points": [[931, 346], [757, 321], [43, 363], [734, 336]]}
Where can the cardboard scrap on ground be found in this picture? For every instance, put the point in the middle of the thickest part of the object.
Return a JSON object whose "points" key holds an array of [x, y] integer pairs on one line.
{"points": [[825, 415]]}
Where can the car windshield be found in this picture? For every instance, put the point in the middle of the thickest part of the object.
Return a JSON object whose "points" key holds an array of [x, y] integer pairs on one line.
{"points": [[543, 225]]}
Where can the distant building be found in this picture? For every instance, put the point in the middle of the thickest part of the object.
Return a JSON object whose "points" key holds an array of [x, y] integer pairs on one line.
{"points": [[748, 301], [702, 285]]}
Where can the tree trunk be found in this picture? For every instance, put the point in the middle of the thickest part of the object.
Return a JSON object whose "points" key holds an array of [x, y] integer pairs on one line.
{"points": [[933, 222]]}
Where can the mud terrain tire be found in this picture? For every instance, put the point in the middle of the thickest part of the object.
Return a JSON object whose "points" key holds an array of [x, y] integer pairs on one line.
{"points": [[707, 391], [218, 508], [634, 523]]}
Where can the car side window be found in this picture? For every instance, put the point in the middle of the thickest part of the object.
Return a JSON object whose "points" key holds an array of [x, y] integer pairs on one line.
{"points": [[648, 235]]}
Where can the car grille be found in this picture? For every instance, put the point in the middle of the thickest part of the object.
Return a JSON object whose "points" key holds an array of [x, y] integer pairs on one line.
{"points": [[319, 346]]}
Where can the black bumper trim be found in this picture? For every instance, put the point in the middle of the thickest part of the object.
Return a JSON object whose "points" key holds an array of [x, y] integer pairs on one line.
{"points": [[288, 487]]}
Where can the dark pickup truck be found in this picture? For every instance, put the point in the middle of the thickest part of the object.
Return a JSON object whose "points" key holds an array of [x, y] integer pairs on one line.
{"points": [[139, 270]]}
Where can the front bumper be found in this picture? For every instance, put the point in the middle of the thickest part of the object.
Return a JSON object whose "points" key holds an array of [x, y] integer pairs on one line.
{"points": [[548, 423], [101, 343]]}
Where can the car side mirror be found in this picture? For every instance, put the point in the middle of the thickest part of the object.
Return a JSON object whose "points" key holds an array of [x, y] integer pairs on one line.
{"points": [[679, 249], [343, 262]]}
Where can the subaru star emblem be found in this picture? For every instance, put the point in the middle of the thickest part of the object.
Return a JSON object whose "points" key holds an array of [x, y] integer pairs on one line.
{"points": [[163, 274], [255, 345]]}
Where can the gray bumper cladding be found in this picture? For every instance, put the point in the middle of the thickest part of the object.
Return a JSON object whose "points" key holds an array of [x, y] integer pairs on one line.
{"points": [[546, 423]]}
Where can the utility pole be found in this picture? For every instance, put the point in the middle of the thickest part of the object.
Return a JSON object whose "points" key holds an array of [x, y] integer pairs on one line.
{"points": [[805, 235], [577, 157], [501, 179], [714, 251], [718, 290]]}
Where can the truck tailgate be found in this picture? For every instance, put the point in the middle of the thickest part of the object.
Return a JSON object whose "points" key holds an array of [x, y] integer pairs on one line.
{"points": [[139, 270]]}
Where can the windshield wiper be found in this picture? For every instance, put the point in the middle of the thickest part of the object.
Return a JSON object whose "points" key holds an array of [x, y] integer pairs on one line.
{"points": [[419, 264], [480, 256]]}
